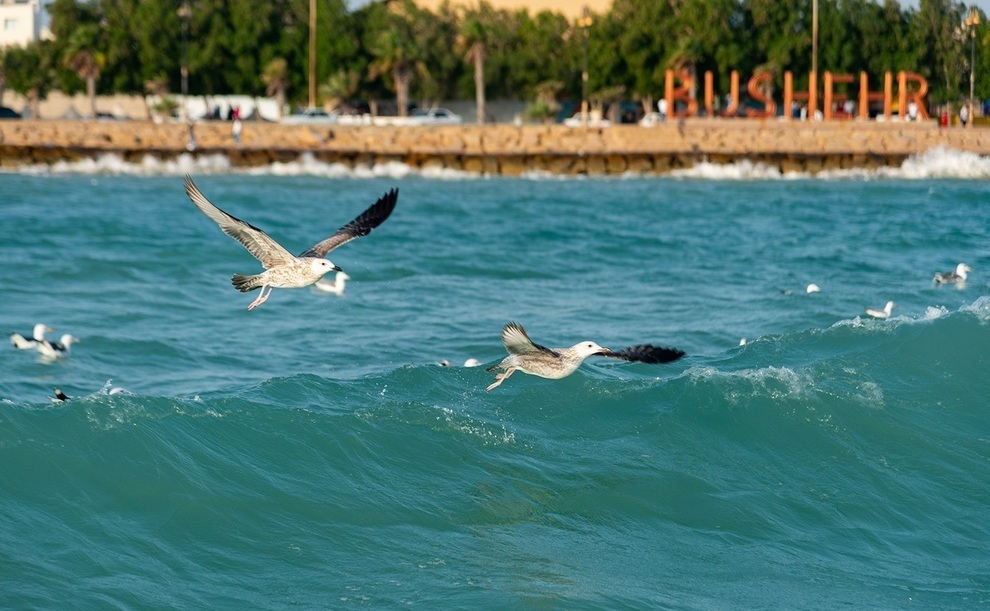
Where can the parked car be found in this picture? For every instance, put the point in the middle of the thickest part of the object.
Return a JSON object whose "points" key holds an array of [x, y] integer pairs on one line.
{"points": [[311, 116], [8, 113], [594, 120], [434, 116]]}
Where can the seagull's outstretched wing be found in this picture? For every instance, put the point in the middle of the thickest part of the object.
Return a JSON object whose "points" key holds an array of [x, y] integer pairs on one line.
{"points": [[517, 342], [361, 226], [256, 241], [646, 353]]}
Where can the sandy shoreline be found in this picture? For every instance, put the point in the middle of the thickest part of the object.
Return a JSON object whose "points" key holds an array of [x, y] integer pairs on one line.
{"points": [[502, 149]]}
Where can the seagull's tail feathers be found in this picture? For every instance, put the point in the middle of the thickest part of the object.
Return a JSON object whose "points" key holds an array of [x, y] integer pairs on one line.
{"points": [[246, 283], [497, 366], [20, 342]]}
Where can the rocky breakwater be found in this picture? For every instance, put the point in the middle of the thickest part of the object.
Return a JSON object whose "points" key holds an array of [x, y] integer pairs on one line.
{"points": [[499, 149]]}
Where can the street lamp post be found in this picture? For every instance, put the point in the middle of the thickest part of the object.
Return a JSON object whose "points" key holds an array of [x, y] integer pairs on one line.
{"points": [[585, 23], [972, 20], [312, 53], [184, 13]]}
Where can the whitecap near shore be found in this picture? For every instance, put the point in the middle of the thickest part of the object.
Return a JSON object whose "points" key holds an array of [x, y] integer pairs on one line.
{"points": [[940, 163]]}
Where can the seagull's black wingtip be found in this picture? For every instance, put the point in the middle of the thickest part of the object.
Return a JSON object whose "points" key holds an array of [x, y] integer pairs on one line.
{"points": [[647, 353]]}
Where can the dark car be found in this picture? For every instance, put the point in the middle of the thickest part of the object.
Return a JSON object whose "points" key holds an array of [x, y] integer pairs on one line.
{"points": [[8, 113]]}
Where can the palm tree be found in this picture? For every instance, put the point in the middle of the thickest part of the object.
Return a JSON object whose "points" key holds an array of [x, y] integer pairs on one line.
{"points": [[3, 79], [82, 58], [396, 56], [158, 86], [276, 79], [472, 42], [341, 86]]}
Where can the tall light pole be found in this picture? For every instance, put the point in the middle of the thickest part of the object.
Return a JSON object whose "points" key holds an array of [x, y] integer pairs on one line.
{"points": [[585, 23], [972, 20], [185, 12], [814, 39], [312, 53]]}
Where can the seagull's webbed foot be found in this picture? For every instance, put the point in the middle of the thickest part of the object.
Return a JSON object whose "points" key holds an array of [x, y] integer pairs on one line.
{"points": [[499, 378], [262, 298]]}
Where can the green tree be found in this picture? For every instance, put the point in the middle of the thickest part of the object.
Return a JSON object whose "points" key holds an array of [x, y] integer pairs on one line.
{"points": [[29, 71], [341, 86], [937, 30], [472, 41], [396, 54], [84, 57], [3, 78]]}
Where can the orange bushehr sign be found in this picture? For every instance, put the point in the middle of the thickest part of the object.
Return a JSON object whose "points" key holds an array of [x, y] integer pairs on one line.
{"points": [[911, 87]]}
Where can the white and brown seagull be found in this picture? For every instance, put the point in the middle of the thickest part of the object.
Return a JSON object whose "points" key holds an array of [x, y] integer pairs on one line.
{"points": [[555, 363], [955, 277], [282, 269]]}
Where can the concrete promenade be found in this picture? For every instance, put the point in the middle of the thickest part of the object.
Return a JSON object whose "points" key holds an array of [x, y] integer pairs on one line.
{"points": [[503, 149]]}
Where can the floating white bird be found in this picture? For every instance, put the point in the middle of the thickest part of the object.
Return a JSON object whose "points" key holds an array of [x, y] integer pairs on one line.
{"points": [[555, 363], [61, 396], [34, 342], [813, 288], [884, 313], [59, 349], [282, 269], [956, 277], [467, 363], [335, 286]]}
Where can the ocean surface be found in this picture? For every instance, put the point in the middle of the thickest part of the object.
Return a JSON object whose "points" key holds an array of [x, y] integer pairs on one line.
{"points": [[312, 453]]}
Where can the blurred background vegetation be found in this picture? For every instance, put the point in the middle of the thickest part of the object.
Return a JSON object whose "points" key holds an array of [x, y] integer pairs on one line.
{"points": [[385, 50]]}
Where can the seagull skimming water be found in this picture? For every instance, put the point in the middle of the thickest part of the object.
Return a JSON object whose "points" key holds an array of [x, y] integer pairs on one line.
{"points": [[282, 269], [554, 363]]}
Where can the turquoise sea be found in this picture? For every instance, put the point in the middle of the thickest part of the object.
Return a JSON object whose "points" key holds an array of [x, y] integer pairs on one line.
{"points": [[313, 454]]}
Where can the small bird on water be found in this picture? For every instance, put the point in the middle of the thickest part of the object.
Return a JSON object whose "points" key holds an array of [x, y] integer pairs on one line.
{"points": [[335, 286], [956, 277], [884, 313], [34, 342], [555, 363], [282, 269]]}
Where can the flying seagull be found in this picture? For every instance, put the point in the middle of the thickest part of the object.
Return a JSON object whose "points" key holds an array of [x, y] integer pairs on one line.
{"points": [[35, 341], [956, 277], [282, 269], [555, 363]]}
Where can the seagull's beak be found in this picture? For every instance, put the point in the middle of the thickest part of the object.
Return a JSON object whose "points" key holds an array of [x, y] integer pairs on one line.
{"points": [[605, 352], [336, 268]]}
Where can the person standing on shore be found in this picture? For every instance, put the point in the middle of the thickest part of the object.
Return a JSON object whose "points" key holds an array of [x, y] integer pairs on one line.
{"points": [[237, 127], [662, 109], [964, 115]]}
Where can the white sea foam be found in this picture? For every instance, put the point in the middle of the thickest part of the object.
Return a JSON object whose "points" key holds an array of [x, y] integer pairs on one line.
{"points": [[936, 163], [776, 382], [740, 170], [980, 307]]}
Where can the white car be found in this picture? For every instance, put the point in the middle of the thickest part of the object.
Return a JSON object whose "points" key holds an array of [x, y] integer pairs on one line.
{"points": [[311, 116], [433, 116], [594, 120]]}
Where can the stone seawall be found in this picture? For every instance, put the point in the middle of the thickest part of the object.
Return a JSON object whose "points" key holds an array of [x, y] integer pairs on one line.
{"points": [[502, 149]]}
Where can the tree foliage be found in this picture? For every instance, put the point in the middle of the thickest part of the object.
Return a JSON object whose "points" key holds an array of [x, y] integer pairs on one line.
{"points": [[398, 49]]}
